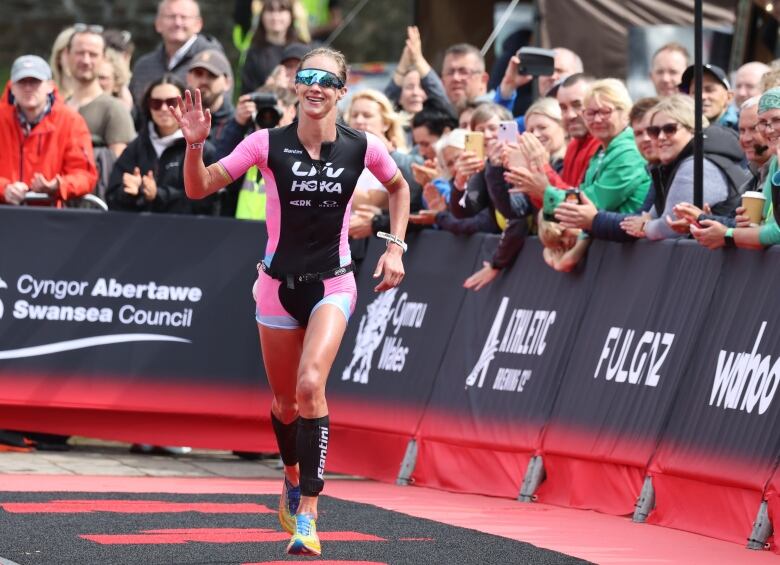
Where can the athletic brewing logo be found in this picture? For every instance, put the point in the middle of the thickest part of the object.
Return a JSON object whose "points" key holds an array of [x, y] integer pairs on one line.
{"points": [[383, 311], [525, 334], [748, 376], [631, 362]]}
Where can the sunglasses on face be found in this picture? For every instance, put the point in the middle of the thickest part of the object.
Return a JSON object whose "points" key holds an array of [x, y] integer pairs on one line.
{"points": [[325, 79], [81, 28], [668, 129], [158, 103]]}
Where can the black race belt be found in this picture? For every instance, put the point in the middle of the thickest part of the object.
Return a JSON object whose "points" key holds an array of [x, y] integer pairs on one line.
{"points": [[304, 278]]}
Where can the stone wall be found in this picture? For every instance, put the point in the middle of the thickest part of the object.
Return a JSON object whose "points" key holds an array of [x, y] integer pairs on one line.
{"points": [[30, 26]]}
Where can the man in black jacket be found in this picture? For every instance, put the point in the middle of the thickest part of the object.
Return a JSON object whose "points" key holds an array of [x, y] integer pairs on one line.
{"points": [[179, 24]]}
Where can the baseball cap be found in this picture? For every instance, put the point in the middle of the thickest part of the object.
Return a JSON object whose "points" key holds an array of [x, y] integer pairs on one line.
{"points": [[295, 51], [30, 66], [717, 72], [213, 61]]}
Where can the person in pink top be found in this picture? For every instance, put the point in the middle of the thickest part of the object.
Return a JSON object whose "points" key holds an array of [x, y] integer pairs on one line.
{"points": [[305, 290]]}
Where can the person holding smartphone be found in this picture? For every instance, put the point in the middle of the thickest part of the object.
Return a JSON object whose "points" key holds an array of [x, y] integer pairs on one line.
{"points": [[305, 291]]}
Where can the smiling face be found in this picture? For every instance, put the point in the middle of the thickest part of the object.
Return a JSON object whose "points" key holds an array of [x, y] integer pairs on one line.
{"points": [[603, 119], [490, 129], [669, 145], [162, 117], [316, 101], [549, 132], [750, 139], [714, 96], [571, 99], [412, 93], [644, 142], [177, 21]]}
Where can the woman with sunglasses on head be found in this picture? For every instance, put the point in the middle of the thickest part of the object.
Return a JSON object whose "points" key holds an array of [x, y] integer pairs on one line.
{"points": [[671, 129], [148, 175], [305, 291]]}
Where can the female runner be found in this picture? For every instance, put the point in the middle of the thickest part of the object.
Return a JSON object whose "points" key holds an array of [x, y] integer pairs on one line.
{"points": [[305, 290]]}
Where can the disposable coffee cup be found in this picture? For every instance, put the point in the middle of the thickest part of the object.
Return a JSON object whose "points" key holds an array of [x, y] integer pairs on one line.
{"points": [[753, 202]]}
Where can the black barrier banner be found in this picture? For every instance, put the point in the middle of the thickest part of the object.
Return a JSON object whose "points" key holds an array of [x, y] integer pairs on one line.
{"points": [[396, 339], [383, 375], [495, 387], [723, 427], [637, 334], [122, 311]]}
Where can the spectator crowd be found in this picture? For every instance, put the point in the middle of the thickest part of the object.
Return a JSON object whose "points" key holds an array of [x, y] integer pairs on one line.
{"points": [[576, 160]]}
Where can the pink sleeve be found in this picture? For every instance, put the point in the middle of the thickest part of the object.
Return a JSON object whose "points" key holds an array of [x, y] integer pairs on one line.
{"points": [[253, 150], [378, 160]]}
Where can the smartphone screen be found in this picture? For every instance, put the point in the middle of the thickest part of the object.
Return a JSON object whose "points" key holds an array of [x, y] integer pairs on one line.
{"points": [[475, 142], [507, 132]]}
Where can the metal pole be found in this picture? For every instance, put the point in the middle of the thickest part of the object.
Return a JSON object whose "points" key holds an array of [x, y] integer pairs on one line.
{"points": [[499, 26], [351, 16], [698, 137]]}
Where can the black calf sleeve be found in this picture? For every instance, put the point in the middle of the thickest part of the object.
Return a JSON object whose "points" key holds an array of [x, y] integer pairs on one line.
{"points": [[312, 447], [286, 437]]}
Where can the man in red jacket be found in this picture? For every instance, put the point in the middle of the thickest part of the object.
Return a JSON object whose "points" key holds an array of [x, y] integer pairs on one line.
{"points": [[46, 146]]}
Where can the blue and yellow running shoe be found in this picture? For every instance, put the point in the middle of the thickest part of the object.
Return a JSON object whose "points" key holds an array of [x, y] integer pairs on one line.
{"points": [[288, 506], [305, 540]]}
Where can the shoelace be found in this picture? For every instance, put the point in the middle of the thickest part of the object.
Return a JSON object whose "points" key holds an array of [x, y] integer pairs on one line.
{"points": [[304, 524], [293, 497]]}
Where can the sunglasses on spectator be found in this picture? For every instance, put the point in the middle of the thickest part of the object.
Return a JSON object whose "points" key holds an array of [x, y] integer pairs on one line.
{"points": [[158, 103], [603, 113], [668, 129], [81, 28], [325, 79]]}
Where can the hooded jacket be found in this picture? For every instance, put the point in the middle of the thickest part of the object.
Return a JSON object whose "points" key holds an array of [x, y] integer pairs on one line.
{"points": [[721, 147], [60, 144], [168, 173]]}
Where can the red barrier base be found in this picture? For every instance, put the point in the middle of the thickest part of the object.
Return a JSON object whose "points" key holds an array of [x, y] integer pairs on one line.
{"points": [[590, 485], [368, 453], [470, 469], [714, 510]]}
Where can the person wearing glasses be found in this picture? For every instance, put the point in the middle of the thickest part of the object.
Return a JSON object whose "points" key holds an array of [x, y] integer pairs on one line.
{"points": [[712, 233], [616, 179], [463, 75], [148, 176], [305, 291], [671, 128], [179, 24]]}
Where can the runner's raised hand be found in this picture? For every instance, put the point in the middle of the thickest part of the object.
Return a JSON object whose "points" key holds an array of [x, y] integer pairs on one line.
{"points": [[195, 124]]}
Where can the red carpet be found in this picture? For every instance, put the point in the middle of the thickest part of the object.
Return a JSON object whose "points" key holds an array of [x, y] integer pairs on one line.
{"points": [[587, 535]]}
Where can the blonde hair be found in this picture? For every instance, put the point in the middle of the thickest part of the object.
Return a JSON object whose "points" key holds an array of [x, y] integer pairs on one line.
{"points": [[550, 233], [681, 109], [455, 138], [390, 118], [769, 79], [547, 107], [58, 73], [121, 69], [612, 91], [487, 111]]}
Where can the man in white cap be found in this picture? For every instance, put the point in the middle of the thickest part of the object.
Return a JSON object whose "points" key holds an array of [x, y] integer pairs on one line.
{"points": [[46, 146]]}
